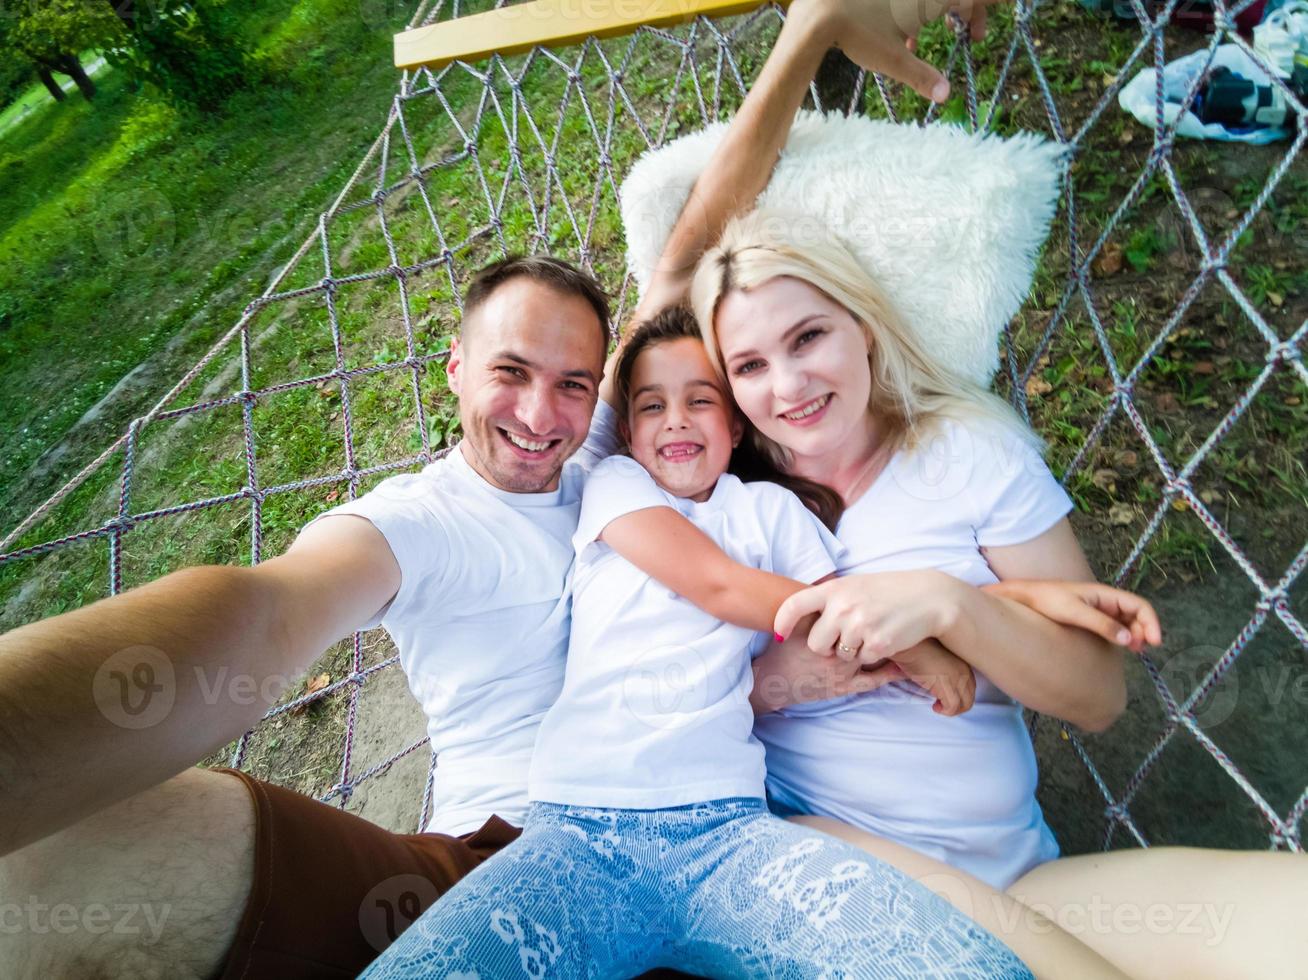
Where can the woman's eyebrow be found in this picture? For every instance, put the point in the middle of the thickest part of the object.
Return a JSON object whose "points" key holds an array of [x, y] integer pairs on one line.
{"points": [[790, 331]]}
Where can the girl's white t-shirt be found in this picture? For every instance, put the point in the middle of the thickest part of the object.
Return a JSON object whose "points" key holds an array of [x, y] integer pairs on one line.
{"points": [[654, 710], [958, 789]]}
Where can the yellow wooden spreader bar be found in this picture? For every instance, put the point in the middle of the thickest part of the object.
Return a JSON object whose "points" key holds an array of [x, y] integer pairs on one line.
{"points": [[550, 23]]}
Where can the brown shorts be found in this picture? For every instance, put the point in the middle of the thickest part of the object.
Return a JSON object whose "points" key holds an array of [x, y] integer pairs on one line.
{"points": [[332, 890]]}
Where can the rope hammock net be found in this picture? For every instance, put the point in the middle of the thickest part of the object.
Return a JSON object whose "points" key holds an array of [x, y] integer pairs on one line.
{"points": [[332, 379]]}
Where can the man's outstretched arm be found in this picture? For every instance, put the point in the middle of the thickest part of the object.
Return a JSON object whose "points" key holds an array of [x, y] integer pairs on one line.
{"points": [[101, 703], [871, 32]]}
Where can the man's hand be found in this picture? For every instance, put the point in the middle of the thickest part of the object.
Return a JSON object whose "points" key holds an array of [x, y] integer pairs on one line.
{"points": [[937, 671], [1118, 616], [881, 35]]}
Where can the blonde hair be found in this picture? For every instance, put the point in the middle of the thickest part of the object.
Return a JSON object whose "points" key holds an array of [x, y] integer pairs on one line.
{"points": [[911, 392]]}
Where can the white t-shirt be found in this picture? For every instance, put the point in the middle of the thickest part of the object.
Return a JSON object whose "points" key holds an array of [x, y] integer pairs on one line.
{"points": [[655, 708], [481, 617], [958, 789]]}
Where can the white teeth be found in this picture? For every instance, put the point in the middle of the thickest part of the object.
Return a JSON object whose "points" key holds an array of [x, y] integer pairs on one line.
{"points": [[668, 453], [806, 412], [534, 447]]}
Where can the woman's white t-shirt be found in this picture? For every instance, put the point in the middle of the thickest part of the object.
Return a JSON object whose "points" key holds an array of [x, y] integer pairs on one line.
{"points": [[654, 710], [958, 789]]}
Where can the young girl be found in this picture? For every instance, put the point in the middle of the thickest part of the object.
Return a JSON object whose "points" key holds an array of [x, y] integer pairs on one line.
{"points": [[649, 842]]}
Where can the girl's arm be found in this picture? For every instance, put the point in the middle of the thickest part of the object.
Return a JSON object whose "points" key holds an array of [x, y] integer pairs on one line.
{"points": [[674, 552], [1054, 669], [1116, 615]]}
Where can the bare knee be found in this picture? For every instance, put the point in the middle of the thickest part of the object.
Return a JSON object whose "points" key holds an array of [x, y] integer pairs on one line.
{"points": [[151, 886]]}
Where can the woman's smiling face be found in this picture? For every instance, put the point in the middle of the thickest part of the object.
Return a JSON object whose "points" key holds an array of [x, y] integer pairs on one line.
{"points": [[680, 423], [797, 362]]}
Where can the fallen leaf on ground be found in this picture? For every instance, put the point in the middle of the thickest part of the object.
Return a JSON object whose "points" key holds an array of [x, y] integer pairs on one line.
{"points": [[315, 685], [1108, 262], [1038, 386], [1120, 515]]}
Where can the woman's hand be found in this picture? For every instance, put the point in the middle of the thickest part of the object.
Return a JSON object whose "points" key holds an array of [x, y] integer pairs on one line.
{"points": [[937, 671], [1118, 616], [868, 618], [881, 35]]}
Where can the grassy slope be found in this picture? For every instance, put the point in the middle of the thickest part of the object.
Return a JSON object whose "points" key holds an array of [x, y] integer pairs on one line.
{"points": [[124, 218]]}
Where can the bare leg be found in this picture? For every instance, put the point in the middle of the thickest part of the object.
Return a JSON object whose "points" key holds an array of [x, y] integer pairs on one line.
{"points": [[1048, 950], [151, 887], [1178, 912]]}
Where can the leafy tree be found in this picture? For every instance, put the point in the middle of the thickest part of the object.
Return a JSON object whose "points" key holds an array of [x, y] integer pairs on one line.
{"points": [[50, 33], [192, 51], [16, 69]]}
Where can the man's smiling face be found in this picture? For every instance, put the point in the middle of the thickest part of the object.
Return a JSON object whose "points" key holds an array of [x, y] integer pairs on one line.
{"points": [[527, 374]]}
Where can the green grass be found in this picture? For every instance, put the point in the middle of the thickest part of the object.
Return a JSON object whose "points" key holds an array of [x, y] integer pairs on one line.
{"points": [[136, 233], [127, 217]]}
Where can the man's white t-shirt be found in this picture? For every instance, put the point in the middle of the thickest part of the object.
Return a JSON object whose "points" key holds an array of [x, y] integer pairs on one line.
{"points": [[481, 617], [959, 789], [655, 708]]}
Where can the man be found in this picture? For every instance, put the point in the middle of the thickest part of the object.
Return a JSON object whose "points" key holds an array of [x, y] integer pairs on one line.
{"points": [[464, 564]]}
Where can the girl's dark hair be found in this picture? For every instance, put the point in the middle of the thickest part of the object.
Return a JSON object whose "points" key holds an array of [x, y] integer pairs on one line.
{"points": [[747, 463]]}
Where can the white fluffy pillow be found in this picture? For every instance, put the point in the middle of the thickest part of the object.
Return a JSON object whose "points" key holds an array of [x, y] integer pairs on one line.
{"points": [[949, 223]]}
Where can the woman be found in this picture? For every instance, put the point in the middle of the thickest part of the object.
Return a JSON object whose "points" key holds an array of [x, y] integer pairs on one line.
{"points": [[945, 491]]}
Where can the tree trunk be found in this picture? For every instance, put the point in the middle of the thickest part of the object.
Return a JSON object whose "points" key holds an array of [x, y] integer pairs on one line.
{"points": [[53, 87], [836, 78], [71, 67]]}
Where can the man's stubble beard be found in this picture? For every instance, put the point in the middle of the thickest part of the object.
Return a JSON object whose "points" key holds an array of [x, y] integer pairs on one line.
{"points": [[512, 479]]}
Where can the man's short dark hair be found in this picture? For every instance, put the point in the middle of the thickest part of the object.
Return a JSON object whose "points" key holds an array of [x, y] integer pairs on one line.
{"points": [[546, 270]]}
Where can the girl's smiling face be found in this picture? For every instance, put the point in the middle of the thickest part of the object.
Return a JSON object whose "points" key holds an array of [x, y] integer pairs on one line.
{"points": [[681, 425]]}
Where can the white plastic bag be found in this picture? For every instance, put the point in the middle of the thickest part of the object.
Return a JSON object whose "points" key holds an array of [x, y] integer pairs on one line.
{"points": [[1137, 96]]}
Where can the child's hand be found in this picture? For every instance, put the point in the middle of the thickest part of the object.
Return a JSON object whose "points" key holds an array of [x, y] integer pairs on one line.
{"points": [[1119, 617], [790, 673], [937, 671]]}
